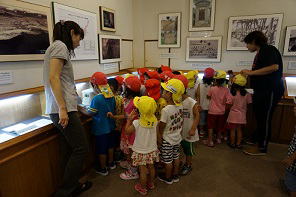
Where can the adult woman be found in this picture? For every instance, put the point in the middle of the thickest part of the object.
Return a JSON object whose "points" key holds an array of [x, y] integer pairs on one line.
{"points": [[61, 103], [266, 80]]}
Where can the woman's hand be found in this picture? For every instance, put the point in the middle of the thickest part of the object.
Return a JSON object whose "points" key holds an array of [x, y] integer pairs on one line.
{"points": [[63, 116], [246, 72]]}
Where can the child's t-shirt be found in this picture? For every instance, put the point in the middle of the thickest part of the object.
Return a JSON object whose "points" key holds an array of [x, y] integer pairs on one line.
{"points": [[291, 151], [218, 100], [172, 115], [188, 105], [203, 92], [100, 105], [146, 140], [238, 111], [192, 91]]}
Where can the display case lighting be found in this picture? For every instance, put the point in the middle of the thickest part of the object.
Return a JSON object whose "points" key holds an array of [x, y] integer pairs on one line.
{"points": [[14, 100]]}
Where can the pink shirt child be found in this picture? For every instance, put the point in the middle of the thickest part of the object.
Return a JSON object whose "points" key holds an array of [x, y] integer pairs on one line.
{"points": [[238, 111], [218, 100]]}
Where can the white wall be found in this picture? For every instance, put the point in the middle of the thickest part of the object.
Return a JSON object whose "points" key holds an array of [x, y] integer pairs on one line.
{"points": [[148, 26], [29, 74]]}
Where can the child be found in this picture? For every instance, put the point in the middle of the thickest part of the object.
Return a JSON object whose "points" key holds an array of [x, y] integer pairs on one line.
{"points": [[218, 95], [102, 127], [192, 83], [189, 132], [115, 87], [239, 100], [131, 89], [145, 145], [170, 128], [203, 101]]}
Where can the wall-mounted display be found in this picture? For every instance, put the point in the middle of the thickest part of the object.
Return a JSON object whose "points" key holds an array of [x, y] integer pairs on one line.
{"points": [[204, 49], [110, 48], [290, 41], [202, 15], [107, 19], [240, 26], [88, 48], [169, 35], [25, 31]]}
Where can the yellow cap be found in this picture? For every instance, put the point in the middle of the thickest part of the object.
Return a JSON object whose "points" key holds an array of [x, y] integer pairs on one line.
{"points": [[128, 75], [240, 80], [220, 74], [176, 87], [106, 91], [191, 76], [147, 107]]}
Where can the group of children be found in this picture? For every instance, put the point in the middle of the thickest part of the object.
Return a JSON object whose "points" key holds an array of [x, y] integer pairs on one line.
{"points": [[147, 119]]}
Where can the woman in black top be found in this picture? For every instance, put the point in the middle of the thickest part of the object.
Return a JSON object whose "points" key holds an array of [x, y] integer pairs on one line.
{"points": [[266, 80]]}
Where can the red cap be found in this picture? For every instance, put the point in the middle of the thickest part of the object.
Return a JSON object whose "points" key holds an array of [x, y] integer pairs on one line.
{"points": [[166, 68], [153, 88], [119, 80], [153, 74], [141, 71], [183, 79], [166, 75], [209, 73], [99, 78], [133, 83]]}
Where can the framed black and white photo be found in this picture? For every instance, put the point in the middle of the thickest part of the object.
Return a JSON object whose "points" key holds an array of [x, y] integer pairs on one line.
{"points": [[290, 41], [169, 35], [88, 48], [110, 48], [26, 31], [240, 26], [204, 49], [202, 15], [107, 19]]}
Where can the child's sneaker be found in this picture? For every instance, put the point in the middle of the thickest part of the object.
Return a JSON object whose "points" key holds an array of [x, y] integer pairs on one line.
{"points": [[176, 179], [102, 171], [219, 141], [150, 186], [129, 175], [112, 165], [140, 189], [124, 164], [186, 170], [164, 179]]}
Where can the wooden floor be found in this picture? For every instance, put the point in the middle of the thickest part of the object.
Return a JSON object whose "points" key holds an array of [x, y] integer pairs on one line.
{"points": [[218, 171]]}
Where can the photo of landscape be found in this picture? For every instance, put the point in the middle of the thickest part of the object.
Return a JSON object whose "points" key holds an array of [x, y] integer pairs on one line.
{"points": [[22, 31]]}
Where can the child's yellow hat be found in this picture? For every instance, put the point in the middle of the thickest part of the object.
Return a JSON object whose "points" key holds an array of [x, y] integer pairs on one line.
{"points": [[240, 80], [176, 87], [191, 76], [220, 74], [147, 107]]}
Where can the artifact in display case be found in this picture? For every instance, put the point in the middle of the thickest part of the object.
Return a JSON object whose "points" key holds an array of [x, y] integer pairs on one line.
{"points": [[21, 128]]}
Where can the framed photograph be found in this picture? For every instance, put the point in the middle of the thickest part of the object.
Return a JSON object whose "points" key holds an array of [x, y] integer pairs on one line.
{"points": [[88, 48], [204, 49], [169, 35], [240, 26], [202, 15], [290, 41], [110, 48], [25, 31], [107, 19]]}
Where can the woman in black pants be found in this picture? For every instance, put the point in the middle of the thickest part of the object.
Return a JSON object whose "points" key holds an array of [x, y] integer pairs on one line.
{"points": [[266, 80], [61, 104]]}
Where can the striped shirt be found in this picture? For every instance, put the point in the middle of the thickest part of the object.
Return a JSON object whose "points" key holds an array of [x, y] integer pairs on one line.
{"points": [[292, 150]]}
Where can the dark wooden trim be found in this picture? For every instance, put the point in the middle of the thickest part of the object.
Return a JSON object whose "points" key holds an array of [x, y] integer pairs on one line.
{"points": [[128, 40], [150, 40]]}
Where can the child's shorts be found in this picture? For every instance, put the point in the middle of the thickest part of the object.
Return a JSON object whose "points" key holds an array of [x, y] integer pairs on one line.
{"points": [[169, 152], [140, 159], [116, 135], [234, 125], [203, 117], [290, 181], [188, 148], [103, 143], [216, 122]]}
